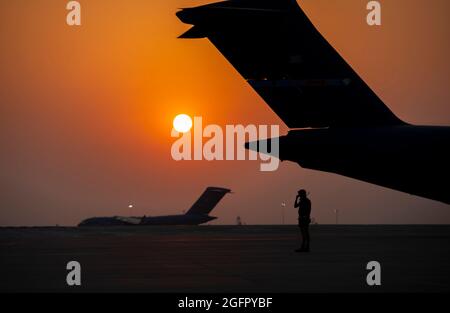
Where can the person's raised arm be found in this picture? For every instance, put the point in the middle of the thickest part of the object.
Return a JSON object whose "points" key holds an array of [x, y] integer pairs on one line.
{"points": [[297, 202]]}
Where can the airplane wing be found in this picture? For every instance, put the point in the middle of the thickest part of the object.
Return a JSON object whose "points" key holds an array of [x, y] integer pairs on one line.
{"points": [[277, 49], [129, 220]]}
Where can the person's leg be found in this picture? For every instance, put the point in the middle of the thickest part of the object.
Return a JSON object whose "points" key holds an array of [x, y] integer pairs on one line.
{"points": [[302, 230], [307, 237], [301, 239]]}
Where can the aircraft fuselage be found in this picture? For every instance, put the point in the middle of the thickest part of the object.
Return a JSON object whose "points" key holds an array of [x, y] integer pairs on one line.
{"points": [[147, 221], [412, 159]]}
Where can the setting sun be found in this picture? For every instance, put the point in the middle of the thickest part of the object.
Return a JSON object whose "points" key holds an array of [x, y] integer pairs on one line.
{"points": [[182, 123]]}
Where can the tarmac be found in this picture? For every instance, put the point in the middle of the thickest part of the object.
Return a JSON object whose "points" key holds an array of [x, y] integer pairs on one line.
{"points": [[232, 259]]}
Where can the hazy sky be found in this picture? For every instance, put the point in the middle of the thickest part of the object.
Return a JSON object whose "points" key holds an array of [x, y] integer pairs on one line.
{"points": [[86, 112]]}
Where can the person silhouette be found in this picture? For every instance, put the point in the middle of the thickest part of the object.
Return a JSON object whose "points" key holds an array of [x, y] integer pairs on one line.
{"points": [[304, 218]]}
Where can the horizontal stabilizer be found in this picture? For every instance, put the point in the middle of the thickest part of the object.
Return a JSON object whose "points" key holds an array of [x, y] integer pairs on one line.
{"points": [[193, 33]]}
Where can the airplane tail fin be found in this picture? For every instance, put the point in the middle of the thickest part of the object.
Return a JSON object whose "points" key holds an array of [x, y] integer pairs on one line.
{"points": [[208, 201], [287, 61]]}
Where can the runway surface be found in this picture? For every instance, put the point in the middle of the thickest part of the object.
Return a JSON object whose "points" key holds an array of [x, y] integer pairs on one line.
{"points": [[225, 259]]}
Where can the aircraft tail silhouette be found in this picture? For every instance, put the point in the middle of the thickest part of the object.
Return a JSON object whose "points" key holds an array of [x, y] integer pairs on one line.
{"points": [[208, 201], [280, 53]]}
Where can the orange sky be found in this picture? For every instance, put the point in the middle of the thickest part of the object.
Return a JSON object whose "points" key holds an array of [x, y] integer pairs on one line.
{"points": [[86, 112]]}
